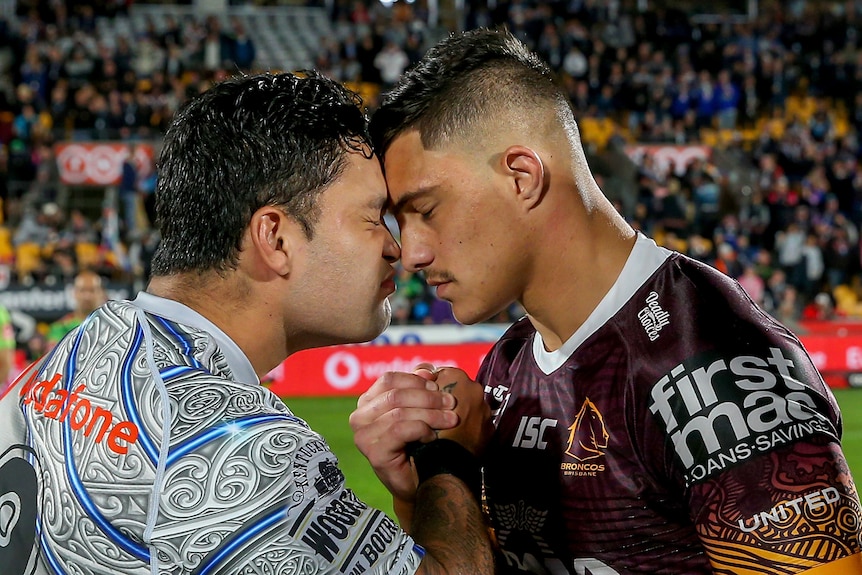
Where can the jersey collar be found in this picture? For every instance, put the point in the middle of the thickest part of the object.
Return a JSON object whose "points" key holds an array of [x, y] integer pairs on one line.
{"points": [[180, 313], [644, 259]]}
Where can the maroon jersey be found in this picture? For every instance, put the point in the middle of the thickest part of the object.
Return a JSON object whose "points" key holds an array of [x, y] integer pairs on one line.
{"points": [[680, 430]]}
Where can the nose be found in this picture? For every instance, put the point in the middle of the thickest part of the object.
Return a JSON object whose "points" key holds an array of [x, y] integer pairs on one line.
{"points": [[416, 253]]}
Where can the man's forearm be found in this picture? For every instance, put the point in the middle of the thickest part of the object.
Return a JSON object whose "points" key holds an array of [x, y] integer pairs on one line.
{"points": [[448, 523]]}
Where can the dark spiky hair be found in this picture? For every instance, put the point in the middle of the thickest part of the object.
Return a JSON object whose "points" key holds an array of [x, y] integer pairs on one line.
{"points": [[465, 78], [249, 142]]}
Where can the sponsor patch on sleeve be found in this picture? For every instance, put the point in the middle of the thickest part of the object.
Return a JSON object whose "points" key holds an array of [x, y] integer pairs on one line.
{"points": [[718, 411]]}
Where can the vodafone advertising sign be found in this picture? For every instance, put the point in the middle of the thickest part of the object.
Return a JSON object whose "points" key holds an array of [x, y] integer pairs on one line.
{"points": [[351, 369]]}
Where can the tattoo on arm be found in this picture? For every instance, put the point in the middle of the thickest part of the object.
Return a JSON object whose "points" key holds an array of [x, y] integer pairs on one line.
{"points": [[450, 387], [447, 521]]}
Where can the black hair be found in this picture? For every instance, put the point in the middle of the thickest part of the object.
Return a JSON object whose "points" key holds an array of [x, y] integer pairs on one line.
{"points": [[248, 142], [465, 78]]}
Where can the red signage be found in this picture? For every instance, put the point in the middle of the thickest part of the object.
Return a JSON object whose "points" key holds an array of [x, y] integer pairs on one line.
{"points": [[351, 369], [668, 158], [838, 358], [99, 164]]}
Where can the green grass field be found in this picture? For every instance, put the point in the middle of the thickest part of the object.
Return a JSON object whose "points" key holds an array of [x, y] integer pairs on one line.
{"points": [[329, 416]]}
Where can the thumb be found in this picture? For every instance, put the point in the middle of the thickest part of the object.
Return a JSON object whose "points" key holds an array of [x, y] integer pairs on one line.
{"points": [[425, 370]]}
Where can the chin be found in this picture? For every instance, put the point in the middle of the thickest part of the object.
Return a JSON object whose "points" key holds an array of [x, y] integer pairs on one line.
{"points": [[467, 318], [377, 324], [472, 316]]}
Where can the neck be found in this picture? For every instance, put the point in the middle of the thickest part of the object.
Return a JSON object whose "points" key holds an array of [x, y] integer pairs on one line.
{"points": [[234, 310], [582, 258]]}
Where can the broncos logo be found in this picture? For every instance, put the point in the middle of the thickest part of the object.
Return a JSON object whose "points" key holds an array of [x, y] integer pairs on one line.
{"points": [[587, 435]]}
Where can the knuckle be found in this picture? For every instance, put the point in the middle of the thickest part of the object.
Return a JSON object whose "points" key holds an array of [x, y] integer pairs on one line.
{"points": [[398, 414], [391, 399]]}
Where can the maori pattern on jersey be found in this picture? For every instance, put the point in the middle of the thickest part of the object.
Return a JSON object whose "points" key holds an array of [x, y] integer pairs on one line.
{"points": [[238, 484], [226, 483], [85, 520], [750, 524]]}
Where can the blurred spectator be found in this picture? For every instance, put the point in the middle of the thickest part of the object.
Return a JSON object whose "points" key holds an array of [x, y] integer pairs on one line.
{"points": [[753, 285], [78, 230], [215, 50], [791, 256], [814, 265], [820, 308], [776, 100], [391, 61], [128, 192], [839, 260], [243, 50], [7, 347], [789, 310], [35, 347], [62, 266], [38, 227], [88, 294], [727, 262], [776, 285], [726, 101]]}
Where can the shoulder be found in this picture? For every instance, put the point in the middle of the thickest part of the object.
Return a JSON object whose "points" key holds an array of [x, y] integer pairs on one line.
{"points": [[707, 317], [709, 301], [516, 338]]}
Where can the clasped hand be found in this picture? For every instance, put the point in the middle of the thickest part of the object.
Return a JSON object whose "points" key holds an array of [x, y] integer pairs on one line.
{"points": [[401, 408]]}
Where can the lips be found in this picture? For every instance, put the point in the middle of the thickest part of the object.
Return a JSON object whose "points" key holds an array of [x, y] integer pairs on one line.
{"points": [[388, 284], [434, 282], [441, 288]]}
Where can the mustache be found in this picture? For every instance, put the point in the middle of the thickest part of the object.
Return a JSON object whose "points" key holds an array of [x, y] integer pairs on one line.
{"points": [[438, 277]]}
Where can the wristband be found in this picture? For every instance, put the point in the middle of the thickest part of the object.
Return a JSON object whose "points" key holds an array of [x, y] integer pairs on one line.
{"points": [[449, 457]]}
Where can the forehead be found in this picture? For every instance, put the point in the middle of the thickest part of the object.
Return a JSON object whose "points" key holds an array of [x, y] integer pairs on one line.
{"points": [[410, 168], [361, 182]]}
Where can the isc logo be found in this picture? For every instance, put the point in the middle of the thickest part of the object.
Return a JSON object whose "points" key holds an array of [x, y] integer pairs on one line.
{"points": [[531, 432]]}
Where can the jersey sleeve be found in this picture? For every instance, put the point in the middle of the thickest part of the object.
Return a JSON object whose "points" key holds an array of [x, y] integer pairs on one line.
{"points": [[752, 437], [266, 495]]}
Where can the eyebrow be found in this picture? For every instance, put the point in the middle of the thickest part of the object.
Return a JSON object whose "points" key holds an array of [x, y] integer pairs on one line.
{"points": [[410, 196], [378, 203]]}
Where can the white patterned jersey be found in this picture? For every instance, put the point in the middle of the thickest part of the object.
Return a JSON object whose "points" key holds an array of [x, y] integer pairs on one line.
{"points": [[145, 444]]}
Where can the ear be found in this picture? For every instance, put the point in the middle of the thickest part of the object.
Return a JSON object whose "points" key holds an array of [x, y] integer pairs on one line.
{"points": [[525, 167], [272, 234]]}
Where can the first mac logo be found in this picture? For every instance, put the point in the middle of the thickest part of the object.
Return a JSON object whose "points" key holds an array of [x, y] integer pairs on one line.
{"points": [[17, 511]]}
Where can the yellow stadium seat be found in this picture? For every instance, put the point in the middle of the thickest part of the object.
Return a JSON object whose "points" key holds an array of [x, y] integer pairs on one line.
{"points": [[28, 258], [87, 254], [846, 301], [7, 253]]}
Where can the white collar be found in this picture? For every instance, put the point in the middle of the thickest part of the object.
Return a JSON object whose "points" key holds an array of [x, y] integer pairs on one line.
{"points": [[180, 313], [644, 259]]}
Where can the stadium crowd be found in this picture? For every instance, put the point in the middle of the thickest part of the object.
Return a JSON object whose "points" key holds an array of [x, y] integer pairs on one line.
{"points": [[780, 96]]}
